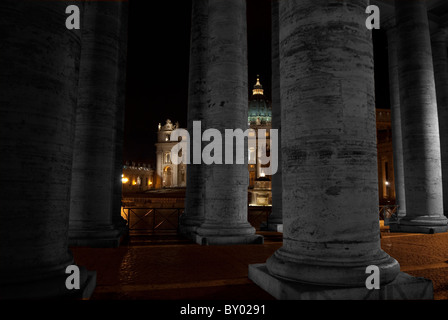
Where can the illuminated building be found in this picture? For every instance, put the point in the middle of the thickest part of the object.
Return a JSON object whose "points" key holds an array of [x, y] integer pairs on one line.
{"points": [[137, 177], [259, 117], [168, 174]]}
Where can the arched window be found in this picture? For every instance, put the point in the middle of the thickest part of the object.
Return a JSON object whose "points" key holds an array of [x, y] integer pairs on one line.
{"points": [[168, 157]]}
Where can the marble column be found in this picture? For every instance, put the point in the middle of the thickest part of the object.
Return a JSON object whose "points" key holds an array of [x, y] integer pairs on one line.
{"points": [[275, 221], [120, 96], [94, 209], [397, 140], [197, 104], [440, 60], [39, 68], [330, 199], [419, 120], [226, 186]]}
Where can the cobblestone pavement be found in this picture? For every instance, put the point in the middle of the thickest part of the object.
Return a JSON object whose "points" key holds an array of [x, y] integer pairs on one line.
{"points": [[171, 268]]}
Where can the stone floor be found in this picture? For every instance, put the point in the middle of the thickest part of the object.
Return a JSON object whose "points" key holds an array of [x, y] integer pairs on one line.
{"points": [[167, 267]]}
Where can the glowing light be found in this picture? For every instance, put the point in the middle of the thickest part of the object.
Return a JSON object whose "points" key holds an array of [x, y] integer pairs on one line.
{"points": [[124, 179], [258, 89], [387, 183]]}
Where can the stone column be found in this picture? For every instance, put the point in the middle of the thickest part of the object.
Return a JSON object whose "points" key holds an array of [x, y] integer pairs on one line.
{"points": [[275, 221], [419, 120], [197, 104], [397, 141], [94, 210], [227, 184], [440, 60], [39, 67], [120, 96], [330, 199]]}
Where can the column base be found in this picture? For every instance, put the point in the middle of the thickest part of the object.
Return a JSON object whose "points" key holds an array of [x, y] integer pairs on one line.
{"points": [[187, 228], [188, 232], [228, 240], [404, 287], [394, 219], [397, 227], [276, 227], [214, 234], [51, 288], [96, 238], [421, 224]]}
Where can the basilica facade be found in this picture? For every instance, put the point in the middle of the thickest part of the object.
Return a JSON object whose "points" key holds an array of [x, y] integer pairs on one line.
{"points": [[170, 175]]}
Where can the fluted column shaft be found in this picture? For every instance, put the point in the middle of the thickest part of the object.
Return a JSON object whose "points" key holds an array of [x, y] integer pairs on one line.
{"points": [[397, 138], [226, 185], [94, 210], [197, 104], [39, 67], [120, 98], [330, 198], [275, 219], [440, 60], [419, 120]]}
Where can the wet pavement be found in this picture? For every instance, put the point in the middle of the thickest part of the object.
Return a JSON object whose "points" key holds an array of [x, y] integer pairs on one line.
{"points": [[168, 267]]}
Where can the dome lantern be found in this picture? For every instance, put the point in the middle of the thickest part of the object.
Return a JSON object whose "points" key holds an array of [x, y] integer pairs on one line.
{"points": [[258, 88]]}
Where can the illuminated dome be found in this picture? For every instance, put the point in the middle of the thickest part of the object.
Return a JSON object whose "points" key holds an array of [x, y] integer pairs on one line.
{"points": [[260, 112]]}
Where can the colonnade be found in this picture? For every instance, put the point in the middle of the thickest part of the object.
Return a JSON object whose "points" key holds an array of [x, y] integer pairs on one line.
{"points": [[324, 105], [70, 122], [418, 109], [61, 142]]}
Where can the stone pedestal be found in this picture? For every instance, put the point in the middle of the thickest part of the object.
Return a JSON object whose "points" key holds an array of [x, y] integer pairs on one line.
{"points": [[228, 239], [404, 287], [399, 226], [418, 105], [197, 107], [39, 67], [94, 210], [226, 184]]}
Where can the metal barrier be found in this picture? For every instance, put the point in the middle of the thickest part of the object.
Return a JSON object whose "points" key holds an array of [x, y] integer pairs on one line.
{"points": [[152, 219], [167, 219], [388, 211], [258, 216]]}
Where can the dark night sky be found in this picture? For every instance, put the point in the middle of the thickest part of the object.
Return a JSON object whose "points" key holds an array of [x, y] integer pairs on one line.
{"points": [[158, 58]]}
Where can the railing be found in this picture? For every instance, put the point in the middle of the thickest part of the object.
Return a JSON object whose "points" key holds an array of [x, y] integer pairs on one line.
{"points": [[167, 219], [388, 211], [258, 216], [152, 219]]}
